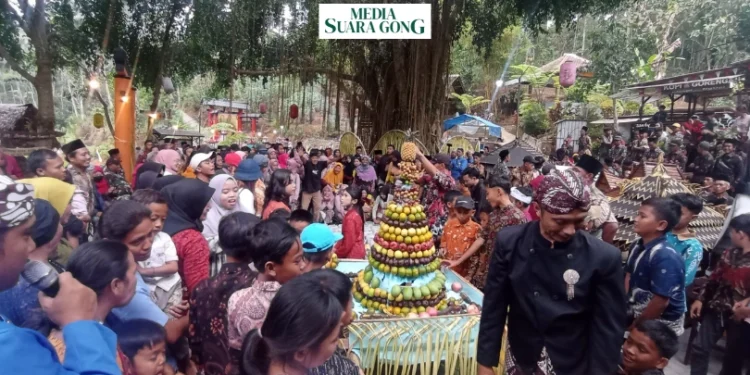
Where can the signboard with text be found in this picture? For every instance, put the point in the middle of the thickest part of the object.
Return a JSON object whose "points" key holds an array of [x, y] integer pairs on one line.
{"points": [[706, 85]]}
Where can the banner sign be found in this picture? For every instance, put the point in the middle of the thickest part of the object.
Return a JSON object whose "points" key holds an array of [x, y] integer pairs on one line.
{"points": [[375, 21], [705, 85]]}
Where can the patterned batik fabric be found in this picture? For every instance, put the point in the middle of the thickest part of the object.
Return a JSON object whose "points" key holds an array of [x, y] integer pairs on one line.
{"points": [[520, 177], [437, 212], [457, 239], [543, 366], [16, 202], [82, 181], [479, 263], [729, 283], [247, 310], [562, 192], [207, 333]]}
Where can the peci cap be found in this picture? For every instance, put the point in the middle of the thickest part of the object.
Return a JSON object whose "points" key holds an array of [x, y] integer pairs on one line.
{"points": [[589, 164], [464, 202], [529, 159], [114, 152], [318, 237], [70, 147]]}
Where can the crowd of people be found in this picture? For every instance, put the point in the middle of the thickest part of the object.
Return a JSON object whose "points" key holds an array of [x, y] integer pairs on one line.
{"points": [[212, 262]]}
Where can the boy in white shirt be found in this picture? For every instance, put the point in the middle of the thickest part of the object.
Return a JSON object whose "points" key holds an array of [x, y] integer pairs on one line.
{"points": [[159, 271]]}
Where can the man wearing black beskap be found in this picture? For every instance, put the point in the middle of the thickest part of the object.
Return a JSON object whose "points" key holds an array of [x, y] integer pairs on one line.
{"points": [[560, 289], [311, 184]]}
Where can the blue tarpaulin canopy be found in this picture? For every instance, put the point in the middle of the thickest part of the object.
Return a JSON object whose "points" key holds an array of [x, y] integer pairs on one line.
{"points": [[469, 124]]}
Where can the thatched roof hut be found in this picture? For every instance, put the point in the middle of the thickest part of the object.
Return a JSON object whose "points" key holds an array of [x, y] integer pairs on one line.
{"points": [[17, 127], [707, 226]]}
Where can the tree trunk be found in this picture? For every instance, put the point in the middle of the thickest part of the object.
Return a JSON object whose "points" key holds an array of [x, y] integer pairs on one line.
{"points": [[302, 115], [325, 106], [45, 116], [337, 125]]}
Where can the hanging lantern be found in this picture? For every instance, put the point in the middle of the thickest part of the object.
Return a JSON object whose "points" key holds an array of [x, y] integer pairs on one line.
{"points": [[262, 108], [293, 111], [568, 74]]}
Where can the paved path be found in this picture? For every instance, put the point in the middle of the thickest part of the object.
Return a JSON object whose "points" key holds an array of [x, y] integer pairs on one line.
{"points": [[676, 367]]}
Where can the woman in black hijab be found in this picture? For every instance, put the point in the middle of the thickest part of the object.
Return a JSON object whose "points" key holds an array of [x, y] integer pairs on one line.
{"points": [[146, 180], [165, 181], [187, 201], [148, 166]]}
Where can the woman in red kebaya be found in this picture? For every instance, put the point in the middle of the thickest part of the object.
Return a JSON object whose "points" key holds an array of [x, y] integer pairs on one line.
{"points": [[353, 229]]}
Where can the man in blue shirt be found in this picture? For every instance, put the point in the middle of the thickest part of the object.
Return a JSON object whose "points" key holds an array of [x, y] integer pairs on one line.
{"points": [[458, 164], [655, 273], [90, 347]]}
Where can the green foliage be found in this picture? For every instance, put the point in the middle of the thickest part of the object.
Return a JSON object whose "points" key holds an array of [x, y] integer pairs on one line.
{"points": [[534, 118], [611, 62], [469, 101]]}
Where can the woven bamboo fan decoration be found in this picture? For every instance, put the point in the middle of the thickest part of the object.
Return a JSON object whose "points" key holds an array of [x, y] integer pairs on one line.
{"points": [[396, 138], [707, 226], [348, 143], [458, 141]]}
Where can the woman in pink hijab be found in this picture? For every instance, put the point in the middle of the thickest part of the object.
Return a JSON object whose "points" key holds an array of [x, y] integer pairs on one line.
{"points": [[171, 160]]}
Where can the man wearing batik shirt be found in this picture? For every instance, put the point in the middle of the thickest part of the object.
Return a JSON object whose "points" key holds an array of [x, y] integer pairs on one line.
{"points": [[703, 164], [600, 220], [523, 175], [675, 155], [619, 151], [501, 168], [584, 142], [440, 182], [79, 158], [653, 152], [723, 304], [559, 288], [504, 214]]}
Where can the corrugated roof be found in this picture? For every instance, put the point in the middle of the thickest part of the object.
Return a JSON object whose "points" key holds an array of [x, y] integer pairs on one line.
{"points": [[225, 103]]}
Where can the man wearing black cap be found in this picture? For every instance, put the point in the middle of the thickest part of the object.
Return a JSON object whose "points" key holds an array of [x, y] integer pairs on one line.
{"points": [[653, 151], [523, 175], [619, 151], [675, 155], [729, 163], [501, 168], [703, 164], [79, 158], [600, 221]]}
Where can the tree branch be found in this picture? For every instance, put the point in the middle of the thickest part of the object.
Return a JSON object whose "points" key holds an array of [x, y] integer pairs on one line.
{"points": [[329, 72], [15, 16], [99, 96], [14, 64]]}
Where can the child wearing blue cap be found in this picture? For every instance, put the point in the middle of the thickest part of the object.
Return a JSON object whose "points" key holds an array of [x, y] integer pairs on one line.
{"points": [[317, 245]]}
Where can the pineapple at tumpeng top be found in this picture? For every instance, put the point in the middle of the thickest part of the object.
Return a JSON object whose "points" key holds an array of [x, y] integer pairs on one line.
{"points": [[403, 273]]}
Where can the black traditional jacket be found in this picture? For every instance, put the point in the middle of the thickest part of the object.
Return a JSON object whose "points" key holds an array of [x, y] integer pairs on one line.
{"points": [[525, 286]]}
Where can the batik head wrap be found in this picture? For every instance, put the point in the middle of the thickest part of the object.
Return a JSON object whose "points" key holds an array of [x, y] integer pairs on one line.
{"points": [[16, 202], [561, 192]]}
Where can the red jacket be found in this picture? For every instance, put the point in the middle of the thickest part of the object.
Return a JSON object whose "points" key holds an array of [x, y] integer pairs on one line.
{"points": [[11, 167], [695, 129], [353, 244]]}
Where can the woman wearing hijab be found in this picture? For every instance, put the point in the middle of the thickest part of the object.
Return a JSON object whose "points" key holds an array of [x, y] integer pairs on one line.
{"points": [[223, 202], [20, 304], [164, 181], [335, 176], [146, 180], [57, 192], [148, 166], [187, 201], [366, 176], [171, 160], [349, 168]]}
